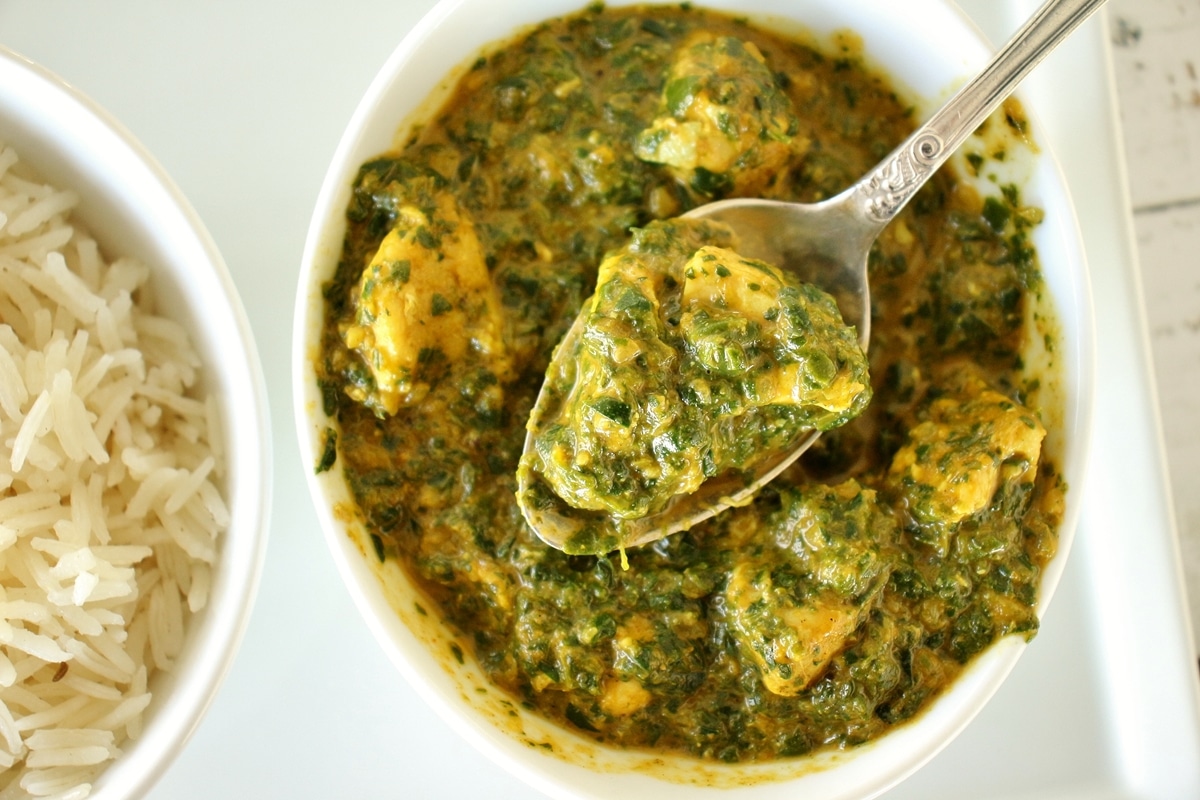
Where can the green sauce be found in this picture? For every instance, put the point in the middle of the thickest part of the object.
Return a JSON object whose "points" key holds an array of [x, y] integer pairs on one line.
{"points": [[858, 584]]}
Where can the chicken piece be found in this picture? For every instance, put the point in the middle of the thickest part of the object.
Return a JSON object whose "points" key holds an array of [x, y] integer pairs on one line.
{"points": [[790, 641], [973, 442], [425, 295], [622, 698], [741, 317], [618, 393], [793, 610], [725, 126]]}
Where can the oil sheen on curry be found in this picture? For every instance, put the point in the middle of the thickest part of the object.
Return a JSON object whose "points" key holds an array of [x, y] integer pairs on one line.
{"points": [[855, 587]]}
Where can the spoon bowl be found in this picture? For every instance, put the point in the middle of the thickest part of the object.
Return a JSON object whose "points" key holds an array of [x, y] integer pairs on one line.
{"points": [[826, 243]]}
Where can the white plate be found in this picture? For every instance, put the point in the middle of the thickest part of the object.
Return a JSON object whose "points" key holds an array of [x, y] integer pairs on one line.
{"points": [[244, 102]]}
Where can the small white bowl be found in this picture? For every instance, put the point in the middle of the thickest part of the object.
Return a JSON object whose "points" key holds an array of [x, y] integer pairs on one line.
{"points": [[929, 49], [134, 209]]}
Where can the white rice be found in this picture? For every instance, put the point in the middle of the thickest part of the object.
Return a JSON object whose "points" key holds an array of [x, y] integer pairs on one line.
{"points": [[110, 511]]}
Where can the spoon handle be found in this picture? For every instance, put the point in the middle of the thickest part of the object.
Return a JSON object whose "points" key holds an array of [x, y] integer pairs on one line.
{"points": [[891, 184]]}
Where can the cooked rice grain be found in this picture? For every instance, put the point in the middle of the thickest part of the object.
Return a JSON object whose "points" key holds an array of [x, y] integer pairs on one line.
{"points": [[110, 511]]}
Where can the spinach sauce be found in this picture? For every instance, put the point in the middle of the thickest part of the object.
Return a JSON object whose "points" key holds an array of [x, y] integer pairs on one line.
{"points": [[855, 588]]}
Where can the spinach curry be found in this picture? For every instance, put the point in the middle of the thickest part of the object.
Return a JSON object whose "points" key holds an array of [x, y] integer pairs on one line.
{"points": [[691, 364], [855, 587]]}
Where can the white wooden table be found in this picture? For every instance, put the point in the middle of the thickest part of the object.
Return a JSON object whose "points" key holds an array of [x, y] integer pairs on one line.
{"points": [[1156, 55]]}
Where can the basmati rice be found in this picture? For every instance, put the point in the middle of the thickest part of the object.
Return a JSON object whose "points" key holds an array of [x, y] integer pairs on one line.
{"points": [[110, 511]]}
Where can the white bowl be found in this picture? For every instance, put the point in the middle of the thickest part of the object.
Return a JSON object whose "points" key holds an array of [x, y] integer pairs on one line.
{"points": [[929, 49], [133, 208]]}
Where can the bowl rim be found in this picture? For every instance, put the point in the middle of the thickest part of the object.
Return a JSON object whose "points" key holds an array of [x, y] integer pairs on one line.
{"points": [[409, 653], [215, 634]]}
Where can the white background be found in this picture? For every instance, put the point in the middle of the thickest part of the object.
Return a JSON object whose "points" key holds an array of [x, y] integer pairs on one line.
{"points": [[243, 103]]}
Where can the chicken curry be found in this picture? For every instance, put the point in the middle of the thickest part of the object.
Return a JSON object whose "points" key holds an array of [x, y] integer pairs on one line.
{"points": [[857, 585]]}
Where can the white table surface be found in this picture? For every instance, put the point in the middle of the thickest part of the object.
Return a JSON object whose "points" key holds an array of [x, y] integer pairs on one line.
{"points": [[1156, 53], [243, 102]]}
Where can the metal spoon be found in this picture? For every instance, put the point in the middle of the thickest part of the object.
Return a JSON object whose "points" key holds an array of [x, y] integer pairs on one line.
{"points": [[828, 242]]}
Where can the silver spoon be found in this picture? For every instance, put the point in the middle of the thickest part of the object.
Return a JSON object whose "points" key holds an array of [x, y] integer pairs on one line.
{"points": [[835, 235]]}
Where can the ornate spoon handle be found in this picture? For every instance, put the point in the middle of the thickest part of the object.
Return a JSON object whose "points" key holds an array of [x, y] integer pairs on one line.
{"points": [[891, 184]]}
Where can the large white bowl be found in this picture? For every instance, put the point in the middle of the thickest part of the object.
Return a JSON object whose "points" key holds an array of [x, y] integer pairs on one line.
{"points": [[133, 208], [929, 48]]}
